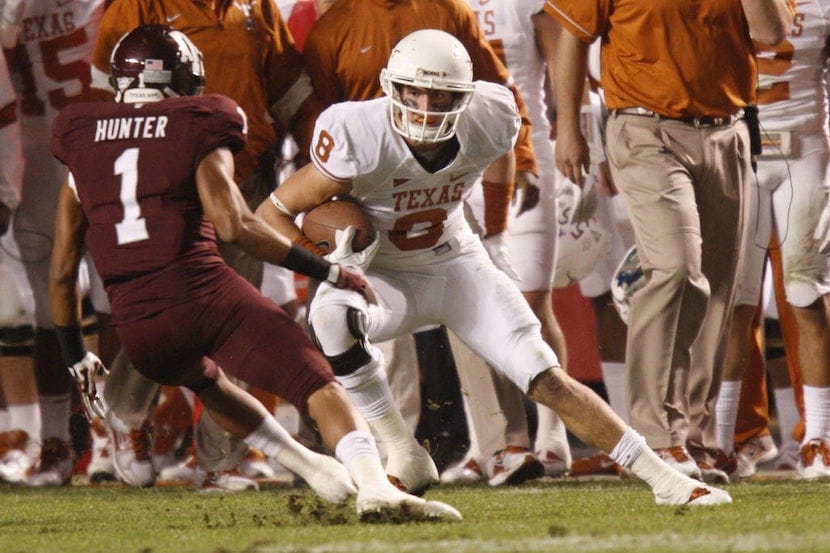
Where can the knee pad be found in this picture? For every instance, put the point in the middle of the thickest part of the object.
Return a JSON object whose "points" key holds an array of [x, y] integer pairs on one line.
{"points": [[356, 353]]}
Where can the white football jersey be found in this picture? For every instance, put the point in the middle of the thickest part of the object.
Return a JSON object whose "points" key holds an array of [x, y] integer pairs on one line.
{"points": [[507, 26], [413, 210], [792, 91], [58, 38]]}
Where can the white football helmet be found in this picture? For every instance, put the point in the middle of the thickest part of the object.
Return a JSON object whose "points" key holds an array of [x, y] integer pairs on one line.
{"points": [[582, 242], [431, 59], [628, 280]]}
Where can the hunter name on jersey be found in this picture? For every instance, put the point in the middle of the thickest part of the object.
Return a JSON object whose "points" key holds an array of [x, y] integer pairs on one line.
{"points": [[124, 128]]}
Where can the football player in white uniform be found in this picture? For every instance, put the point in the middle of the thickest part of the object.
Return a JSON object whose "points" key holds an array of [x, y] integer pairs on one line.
{"points": [[52, 59], [411, 158], [793, 194], [20, 424]]}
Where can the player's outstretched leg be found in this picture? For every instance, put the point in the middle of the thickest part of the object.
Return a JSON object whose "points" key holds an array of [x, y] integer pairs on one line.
{"points": [[359, 368], [377, 499], [241, 414], [592, 421]]}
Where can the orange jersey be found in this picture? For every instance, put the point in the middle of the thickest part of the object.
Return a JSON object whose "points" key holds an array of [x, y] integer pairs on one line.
{"points": [[675, 57], [351, 43], [249, 56]]}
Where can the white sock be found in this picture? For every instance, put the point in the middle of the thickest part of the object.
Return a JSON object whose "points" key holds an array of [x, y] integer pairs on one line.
{"points": [[26, 417], [358, 452], [663, 479], [54, 416], [613, 375], [726, 413], [788, 416], [392, 430], [369, 390], [816, 413], [274, 441], [628, 448]]}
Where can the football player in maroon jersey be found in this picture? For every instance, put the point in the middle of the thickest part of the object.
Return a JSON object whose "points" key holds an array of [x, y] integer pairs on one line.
{"points": [[150, 189]]}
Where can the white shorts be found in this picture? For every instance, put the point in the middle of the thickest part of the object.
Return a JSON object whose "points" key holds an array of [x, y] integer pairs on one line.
{"points": [[531, 237], [791, 193], [462, 289]]}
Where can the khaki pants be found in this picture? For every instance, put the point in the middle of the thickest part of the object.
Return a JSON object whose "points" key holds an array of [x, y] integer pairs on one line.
{"points": [[685, 188]]}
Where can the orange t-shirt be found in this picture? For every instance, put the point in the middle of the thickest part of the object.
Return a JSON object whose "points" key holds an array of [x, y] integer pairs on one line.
{"points": [[350, 44], [675, 57], [249, 56]]}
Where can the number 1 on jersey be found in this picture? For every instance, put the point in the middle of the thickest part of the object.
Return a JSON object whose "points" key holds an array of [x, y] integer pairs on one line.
{"points": [[133, 228]]}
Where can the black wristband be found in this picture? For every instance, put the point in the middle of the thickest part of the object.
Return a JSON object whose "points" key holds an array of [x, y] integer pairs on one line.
{"points": [[302, 261], [71, 341]]}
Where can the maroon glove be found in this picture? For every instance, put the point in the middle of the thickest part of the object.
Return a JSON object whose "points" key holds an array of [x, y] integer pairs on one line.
{"points": [[352, 279]]}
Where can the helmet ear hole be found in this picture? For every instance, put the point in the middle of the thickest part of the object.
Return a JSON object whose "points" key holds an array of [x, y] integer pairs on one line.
{"points": [[434, 60], [154, 61]]}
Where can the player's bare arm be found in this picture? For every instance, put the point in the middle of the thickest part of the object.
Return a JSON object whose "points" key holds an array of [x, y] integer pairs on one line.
{"points": [[301, 192], [226, 208], [234, 222], [84, 366], [570, 68], [769, 20], [70, 225]]}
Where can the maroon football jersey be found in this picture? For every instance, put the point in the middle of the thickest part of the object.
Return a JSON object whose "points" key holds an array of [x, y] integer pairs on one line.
{"points": [[134, 170]]}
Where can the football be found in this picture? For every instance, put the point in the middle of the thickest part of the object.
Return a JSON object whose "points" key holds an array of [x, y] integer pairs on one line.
{"points": [[320, 224]]}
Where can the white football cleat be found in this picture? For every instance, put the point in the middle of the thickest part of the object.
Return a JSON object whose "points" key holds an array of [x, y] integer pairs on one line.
{"points": [[55, 467], [466, 471], [20, 457], [814, 460], [393, 505], [753, 452], [678, 458], [329, 479], [694, 493], [555, 464], [100, 467], [185, 470], [513, 465], [226, 482], [413, 472], [130, 453]]}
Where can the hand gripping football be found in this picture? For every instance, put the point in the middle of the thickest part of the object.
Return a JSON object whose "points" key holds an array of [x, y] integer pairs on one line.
{"points": [[321, 223]]}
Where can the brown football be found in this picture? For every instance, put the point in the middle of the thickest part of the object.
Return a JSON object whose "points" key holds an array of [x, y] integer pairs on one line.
{"points": [[320, 224]]}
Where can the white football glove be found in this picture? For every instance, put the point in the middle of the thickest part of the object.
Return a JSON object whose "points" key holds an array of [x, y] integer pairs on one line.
{"points": [[84, 373], [343, 254], [822, 232], [496, 247]]}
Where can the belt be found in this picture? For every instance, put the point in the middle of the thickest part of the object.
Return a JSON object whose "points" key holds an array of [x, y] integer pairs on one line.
{"points": [[699, 122]]}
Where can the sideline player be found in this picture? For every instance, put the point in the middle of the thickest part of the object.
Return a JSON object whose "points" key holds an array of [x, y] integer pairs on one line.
{"points": [[411, 158], [532, 241], [793, 197], [183, 315]]}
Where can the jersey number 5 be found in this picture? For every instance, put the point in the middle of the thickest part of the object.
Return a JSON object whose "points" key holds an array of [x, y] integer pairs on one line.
{"points": [[133, 227]]}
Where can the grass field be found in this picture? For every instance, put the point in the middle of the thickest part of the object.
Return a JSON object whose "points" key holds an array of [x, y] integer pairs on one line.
{"points": [[547, 515]]}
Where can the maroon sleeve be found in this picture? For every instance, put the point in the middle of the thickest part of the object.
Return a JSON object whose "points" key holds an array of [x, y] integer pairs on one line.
{"points": [[220, 122]]}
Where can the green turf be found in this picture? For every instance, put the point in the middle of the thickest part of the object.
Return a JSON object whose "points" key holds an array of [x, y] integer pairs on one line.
{"points": [[607, 515]]}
